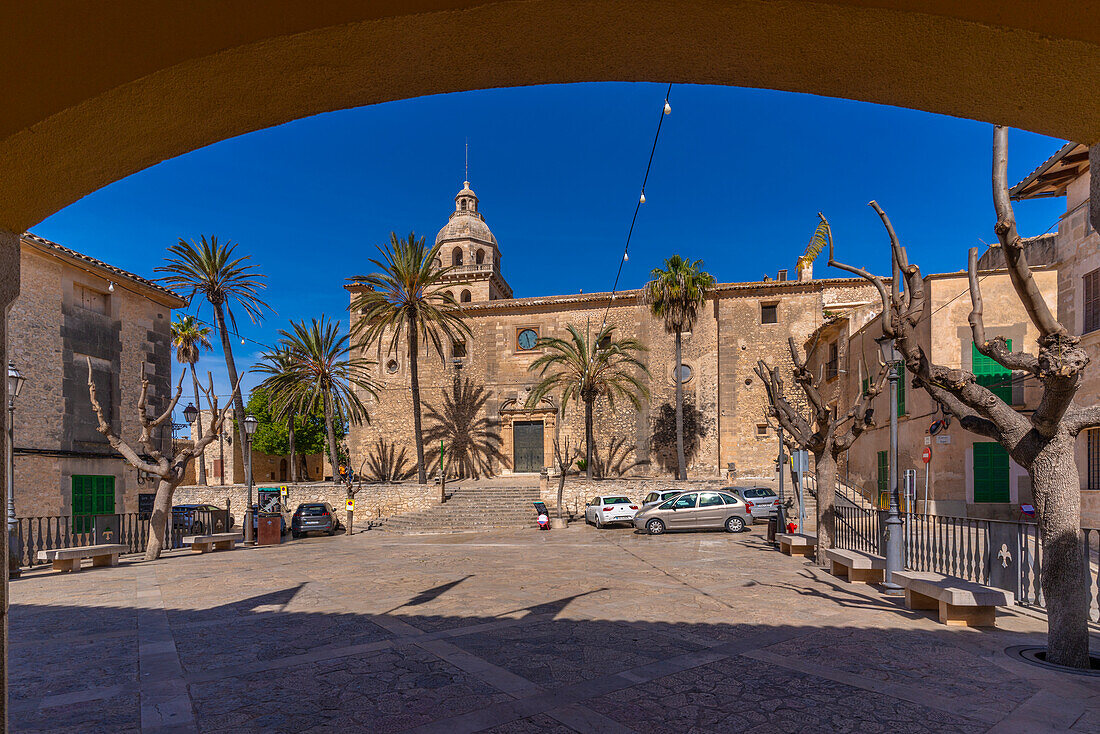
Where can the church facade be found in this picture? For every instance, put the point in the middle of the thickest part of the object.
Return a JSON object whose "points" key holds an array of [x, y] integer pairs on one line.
{"points": [[475, 398]]}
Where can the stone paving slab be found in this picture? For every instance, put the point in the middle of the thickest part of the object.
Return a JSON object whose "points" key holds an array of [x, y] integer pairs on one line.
{"points": [[512, 631]]}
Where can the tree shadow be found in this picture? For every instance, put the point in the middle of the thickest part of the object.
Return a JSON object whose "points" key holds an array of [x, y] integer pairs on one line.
{"points": [[473, 446], [386, 464], [662, 441], [615, 461]]}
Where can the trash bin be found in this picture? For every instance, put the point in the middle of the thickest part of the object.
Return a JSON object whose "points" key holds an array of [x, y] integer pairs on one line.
{"points": [[269, 530], [773, 528]]}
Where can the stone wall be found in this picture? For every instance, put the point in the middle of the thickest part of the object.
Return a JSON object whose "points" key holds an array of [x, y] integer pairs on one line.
{"points": [[65, 315], [578, 491], [372, 502]]}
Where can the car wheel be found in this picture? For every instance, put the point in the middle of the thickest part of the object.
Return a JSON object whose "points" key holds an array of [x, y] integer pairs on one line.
{"points": [[655, 527], [735, 524], [599, 523]]}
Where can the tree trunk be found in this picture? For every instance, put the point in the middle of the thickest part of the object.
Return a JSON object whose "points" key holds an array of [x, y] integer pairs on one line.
{"points": [[561, 489], [231, 368], [162, 510], [200, 461], [414, 386], [1065, 582], [588, 438], [681, 462], [825, 477], [293, 460], [330, 433]]}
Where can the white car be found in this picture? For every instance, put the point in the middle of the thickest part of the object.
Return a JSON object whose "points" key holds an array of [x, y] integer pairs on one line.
{"points": [[602, 511]]}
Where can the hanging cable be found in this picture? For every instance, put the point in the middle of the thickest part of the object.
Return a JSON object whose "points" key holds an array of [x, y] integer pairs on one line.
{"points": [[665, 110]]}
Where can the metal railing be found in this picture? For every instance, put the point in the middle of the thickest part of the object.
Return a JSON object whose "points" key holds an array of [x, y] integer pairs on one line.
{"points": [[51, 532], [1004, 554]]}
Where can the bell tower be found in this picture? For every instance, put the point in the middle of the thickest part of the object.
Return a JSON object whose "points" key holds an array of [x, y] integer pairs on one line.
{"points": [[469, 247]]}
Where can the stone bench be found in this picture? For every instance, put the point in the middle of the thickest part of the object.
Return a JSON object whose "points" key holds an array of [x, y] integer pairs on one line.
{"points": [[796, 544], [68, 559], [959, 602], [217, 541], [856, 565]]}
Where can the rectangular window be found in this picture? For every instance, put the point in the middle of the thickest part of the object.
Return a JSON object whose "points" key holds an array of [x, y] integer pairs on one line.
{"points": [[92, 495], [990, 472], [1091, 286], [866, 388], [832, 367], [90, 299], [1093, 477], [769, 313], [458, 350], [761, 429], [992, 375], [901, 391]]}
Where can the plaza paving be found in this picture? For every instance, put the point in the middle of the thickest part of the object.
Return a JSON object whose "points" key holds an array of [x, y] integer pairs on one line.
{"points": [[512, 631]]}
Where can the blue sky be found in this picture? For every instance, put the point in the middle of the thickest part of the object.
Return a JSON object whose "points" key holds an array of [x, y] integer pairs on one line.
{"points": [[737, 180]]}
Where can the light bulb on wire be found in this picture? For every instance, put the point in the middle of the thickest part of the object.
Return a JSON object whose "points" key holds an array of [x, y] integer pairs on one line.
{"points": [[668, 108], [625, 256], [111, 287], [641, 199]]}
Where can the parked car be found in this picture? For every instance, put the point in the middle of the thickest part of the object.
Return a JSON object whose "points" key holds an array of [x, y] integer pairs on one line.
{"points": [[658, 496], [314, 516], [602, 511], [695, 511], [197, 519], [763, 502]]}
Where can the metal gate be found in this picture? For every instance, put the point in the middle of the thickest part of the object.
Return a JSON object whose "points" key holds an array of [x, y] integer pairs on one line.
{"points": [[528, 448]]}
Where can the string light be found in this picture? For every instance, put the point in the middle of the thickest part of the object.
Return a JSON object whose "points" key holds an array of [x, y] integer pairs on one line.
{"points": [[111, 287], [641, 199], [668, 108]]}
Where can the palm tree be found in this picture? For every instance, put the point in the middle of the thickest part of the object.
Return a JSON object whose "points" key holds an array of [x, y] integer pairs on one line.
{"points": [[321, 372], [190, 337], [277, 364], [208, 268], [675, 295], [584, 369], [408, 298]]}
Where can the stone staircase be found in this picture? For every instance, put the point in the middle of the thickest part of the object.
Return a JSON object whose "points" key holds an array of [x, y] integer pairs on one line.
{"points": [[472, 507]]}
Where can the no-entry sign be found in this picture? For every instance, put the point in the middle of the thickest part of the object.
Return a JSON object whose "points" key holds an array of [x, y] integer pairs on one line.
{"points": [[926, 455]]}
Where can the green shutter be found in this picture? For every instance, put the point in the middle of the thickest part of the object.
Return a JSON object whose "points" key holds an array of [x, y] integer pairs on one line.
{"points": [[92, 495], [883, 477], [901, 392], [992, 375], [990, 472], [866, 385]]}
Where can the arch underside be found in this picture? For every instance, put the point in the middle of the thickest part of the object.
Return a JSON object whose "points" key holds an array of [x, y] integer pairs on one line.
{"points": [[93, 92]]}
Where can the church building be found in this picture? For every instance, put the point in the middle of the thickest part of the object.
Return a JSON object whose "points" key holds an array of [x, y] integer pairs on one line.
{"points": [[475, 399]]}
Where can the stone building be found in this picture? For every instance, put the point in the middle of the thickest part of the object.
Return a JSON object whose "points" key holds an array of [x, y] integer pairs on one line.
{"points": [[1075, 250], [73, 309], [482, 383], [969, 475]]}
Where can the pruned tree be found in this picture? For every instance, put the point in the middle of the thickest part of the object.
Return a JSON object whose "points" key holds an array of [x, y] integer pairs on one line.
{"points": [[824, 432], [168, 470], [1042, 442]]}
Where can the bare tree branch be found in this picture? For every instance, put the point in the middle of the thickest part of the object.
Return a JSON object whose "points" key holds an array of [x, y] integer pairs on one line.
{"points": [[996, 349], [116, 443], [1013, 245]]}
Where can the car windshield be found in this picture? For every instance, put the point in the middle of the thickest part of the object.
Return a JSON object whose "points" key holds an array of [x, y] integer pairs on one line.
{"points": [[616, 501], [757, 492], [312, 509]]}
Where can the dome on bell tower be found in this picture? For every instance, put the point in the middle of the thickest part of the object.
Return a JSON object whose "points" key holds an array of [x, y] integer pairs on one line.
{"points": [[466, 222]]}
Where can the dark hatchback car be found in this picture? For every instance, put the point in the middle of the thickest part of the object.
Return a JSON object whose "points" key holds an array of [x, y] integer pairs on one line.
{"points": [[314, 517]]}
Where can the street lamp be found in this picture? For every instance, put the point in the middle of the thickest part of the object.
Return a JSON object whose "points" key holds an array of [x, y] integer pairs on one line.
{"points": [[15, 385], [250, 425], [895, 550], [190, 413]]}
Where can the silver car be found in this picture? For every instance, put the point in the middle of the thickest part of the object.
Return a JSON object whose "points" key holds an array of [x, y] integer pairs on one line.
{"points": [[761, 500], [659, 496], [695, 511]]}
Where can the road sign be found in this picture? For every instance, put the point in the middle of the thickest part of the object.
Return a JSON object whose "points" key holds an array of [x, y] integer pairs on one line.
{"points": [[926, 455], [351, 505], [283, 491], [800, 461]]}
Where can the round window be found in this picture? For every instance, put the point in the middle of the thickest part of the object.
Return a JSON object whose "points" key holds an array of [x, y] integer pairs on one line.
{"points": [[391, 366], [685, 373]]}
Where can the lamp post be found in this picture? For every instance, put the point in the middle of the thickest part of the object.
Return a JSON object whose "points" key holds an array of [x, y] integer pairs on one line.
{"points": [[895, 550], [15, 384], [250, 424]]}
